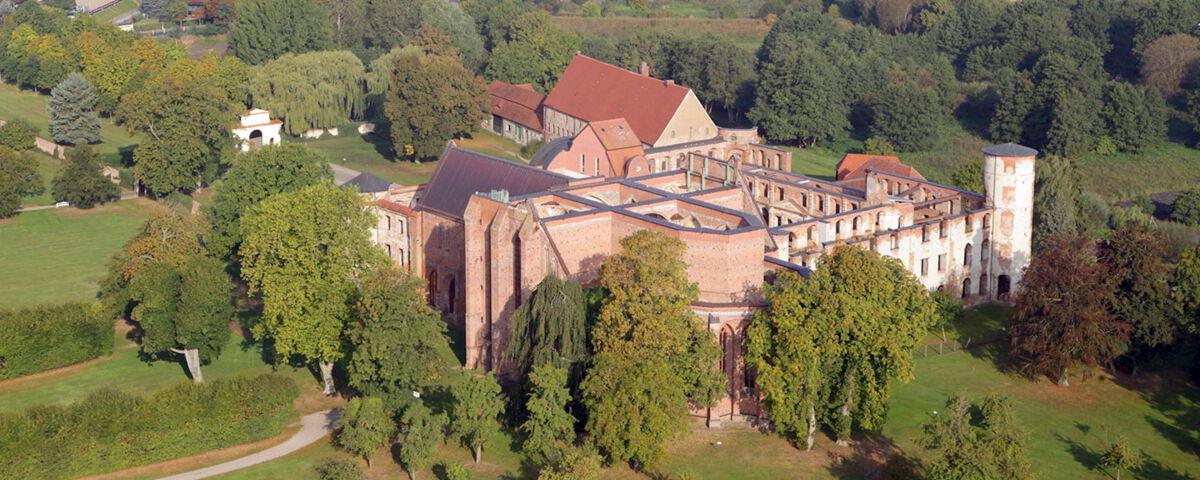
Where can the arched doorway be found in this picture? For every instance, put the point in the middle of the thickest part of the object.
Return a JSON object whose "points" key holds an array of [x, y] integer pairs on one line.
{"points": [[1003, 286], [256, 139], [966, 288]]}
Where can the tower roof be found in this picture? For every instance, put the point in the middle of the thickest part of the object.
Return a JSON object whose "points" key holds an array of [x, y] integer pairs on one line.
{"points": [[1010, 150]]}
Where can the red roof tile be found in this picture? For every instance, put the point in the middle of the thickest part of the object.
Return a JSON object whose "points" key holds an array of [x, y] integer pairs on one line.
{"points": [[615, 134], [852, 161], [593, 90], [881, 164], [519, 103]]}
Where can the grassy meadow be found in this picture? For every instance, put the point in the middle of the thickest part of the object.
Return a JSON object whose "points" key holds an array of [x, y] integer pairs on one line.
{"points": [[59, 255]]}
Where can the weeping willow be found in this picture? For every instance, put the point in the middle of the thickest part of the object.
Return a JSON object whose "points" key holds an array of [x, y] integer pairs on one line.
{"points": [[550, 328], [311, 90]]}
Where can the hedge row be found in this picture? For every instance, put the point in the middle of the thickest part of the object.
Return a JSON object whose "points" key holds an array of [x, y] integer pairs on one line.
{"points": [[46, 337], [112, 430]]}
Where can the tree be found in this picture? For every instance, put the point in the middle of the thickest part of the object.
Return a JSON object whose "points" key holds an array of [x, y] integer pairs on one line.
{"points": [[550, 427], [72, 108], [792, 353], [396, 337], [1063, 315], [1137, 259], [18, 135], [302, 251], [879, 146], [1135, 117], [1055, 199], [980, 441], [1015, 101], [420, 433], [365, 427], [578, 463], [1169, 62], [267, 29], [185, 312], [450, 18], [253, 177], [81, 183], [652, 354], [169, 237], [349, 22], [477, 403], [392, 21], [867, 313], [968, 176], [907, 115], [550, 329], [1186, 207], [534, 52], [429, 100], [18, 177], [311, 90], [334, 468], [7, 8], [798, 99], [1119, 457], [187, 124]]}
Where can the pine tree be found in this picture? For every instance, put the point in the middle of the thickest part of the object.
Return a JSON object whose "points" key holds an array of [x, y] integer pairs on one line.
{"points": [[81, 183], [7, 8]]}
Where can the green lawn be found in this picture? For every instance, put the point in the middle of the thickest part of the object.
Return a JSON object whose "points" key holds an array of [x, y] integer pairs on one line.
{"points": [[115, 11], [58, 255], [30, 106]]}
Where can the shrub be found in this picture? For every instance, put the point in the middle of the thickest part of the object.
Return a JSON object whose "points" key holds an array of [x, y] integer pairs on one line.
{"points": [[112, 430], [334, 468], [455, 471], [1186, 208], [46, 337], [18, 135]]}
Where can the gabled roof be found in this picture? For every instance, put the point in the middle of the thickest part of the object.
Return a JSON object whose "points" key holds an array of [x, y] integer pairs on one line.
{"points": [[368, 182], [882, 165], [593, 90], [519, 103], [615, 134], [852, 162], [461, 173]]}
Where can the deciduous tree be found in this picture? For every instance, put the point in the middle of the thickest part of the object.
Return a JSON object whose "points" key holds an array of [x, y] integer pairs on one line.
{"points": [[1055, 198], [366, 426], [429, 100], [798, 99], [72, 108], [81, 182], [168, 237], [449, 17], [1186, 207], [311, 90], [652, 354], [1136, 256], [18, 177], [907, 115], [1063, 316], [420, 433], [534, 51], [1135, 117], [396, 337], [980, 441], [550, 427], [18, 134], [253, 177], [267, 29], [184, 312], [1169, 62], [302, 251], [477, 403]]}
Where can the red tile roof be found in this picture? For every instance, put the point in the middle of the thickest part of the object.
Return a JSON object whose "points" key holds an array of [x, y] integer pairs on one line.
{"points": [[519, 103], [852, 161], [461, 173], [880, 164], [593, 90], [615, 134]]}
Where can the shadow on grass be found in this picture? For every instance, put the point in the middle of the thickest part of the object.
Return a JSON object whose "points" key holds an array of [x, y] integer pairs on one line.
{"points": [[869, 457], [1170, 393], [1148, 467], [983, 330]]}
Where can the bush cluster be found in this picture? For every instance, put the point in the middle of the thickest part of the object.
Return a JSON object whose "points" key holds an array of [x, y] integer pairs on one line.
{"points": [[46, 337], [113, 430]]}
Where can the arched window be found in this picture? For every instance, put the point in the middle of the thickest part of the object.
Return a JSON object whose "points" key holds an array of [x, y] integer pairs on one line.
{"points": [[812, 234], [966, 288], [837, 228], [983, 283], [984, 251], [967, 254], [854, 225], [803, 200]]}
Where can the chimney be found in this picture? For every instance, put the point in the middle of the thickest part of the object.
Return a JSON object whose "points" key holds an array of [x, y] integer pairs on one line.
{"points": [[668, 82], [644, 69]]}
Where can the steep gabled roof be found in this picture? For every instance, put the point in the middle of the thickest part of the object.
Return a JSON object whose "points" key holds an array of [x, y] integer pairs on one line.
{"points": [[368, 182], [461, 173], [519, 103], [615, 134], [593, 90]]}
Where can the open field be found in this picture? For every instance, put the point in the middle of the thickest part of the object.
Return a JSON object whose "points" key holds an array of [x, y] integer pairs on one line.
{"points": [[115, 11], [58, 255]]}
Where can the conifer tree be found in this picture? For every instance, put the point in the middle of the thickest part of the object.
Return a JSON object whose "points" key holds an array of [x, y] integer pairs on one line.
{"points": [[81, 183]]}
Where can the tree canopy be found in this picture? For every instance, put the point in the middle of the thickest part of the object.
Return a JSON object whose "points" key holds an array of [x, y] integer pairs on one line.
{"points": [[429, 100], [976, 441], [72, 107], [18, 177], [311, 90], [81, 182], [268, 29]]}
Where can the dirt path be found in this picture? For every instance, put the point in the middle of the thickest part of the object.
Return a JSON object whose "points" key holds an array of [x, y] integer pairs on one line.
{"points": [[313, 427]]}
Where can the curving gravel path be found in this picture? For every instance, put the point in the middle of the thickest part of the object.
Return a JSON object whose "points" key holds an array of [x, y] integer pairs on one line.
{"points": [[313, 427]]}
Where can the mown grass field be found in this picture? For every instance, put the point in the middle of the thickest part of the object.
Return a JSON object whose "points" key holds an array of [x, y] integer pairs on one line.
{"points": [[30, 106], [115, 11], [59, 255]]}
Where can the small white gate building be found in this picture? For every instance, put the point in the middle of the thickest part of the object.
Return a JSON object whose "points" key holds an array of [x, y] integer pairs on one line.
{"points": [[257, 129]]}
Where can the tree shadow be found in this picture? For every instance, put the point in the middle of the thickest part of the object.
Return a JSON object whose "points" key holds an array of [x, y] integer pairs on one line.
{"points": [[867, 459], [1082, 453], [381, 140], [983, 332], [1170, 393], [1152, 468]]}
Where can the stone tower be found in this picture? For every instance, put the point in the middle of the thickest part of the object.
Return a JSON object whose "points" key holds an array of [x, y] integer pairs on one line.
{"points": [[1008, 178]]}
